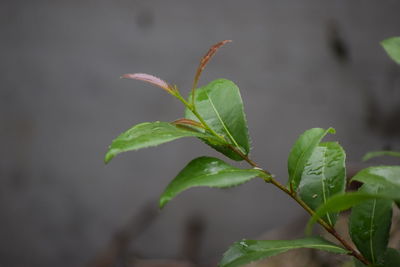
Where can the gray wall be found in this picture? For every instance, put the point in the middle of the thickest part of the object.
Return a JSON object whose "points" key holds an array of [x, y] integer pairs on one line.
{"points": [[299, 64]]}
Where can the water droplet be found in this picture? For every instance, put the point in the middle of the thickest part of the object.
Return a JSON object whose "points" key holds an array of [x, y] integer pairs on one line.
{"points": [[243, 244]]}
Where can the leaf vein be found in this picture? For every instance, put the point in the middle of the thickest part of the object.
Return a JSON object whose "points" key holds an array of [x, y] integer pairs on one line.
{"points": [[300, 246], [370, 231], [222, 123], [323, 181]]}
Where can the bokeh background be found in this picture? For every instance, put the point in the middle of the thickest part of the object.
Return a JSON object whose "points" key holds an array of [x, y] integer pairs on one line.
{"points": [[299, 64]]}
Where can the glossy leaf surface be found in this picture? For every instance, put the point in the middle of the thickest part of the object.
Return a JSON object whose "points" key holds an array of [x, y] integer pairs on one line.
{"points": [[324, 176], [369, 225], [301, 152], [386, 176], [221, 106], [375, 154], [392, 47], [247, 251], [149, 134], [207, 171], [339, 203]]}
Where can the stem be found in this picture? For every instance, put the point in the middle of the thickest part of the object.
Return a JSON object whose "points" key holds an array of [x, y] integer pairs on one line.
{"points": [[194, 111], [247, 159], [325, 225], [192, 108], [193, 89], [293, 195], [290, 192]]}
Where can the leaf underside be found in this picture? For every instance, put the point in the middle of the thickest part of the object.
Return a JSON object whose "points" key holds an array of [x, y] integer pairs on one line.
{"points": [[324, 176], [150, 134], [247, 251], [207, 171], [221, 106]]}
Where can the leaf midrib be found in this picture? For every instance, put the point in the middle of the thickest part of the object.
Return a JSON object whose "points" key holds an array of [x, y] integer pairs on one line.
{"points": [[297, 247], [222, 123], [370, 231], [308, 246], [225, 172], [323, 180], [297, 163]]}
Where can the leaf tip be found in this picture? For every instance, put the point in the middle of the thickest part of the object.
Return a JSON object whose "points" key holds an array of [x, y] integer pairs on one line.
{"points": [[149, 79], [331, 130], [206, 58], [366, 157], [108, 157], [163, 201]]}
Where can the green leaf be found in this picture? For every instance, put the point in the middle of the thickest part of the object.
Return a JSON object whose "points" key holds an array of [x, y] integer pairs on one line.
{"points": [[374, 154], [358, 263], [247, 251], [387, 176], [392, 47], [324, 176], [150, 134], [221, 106], [301, 152], [392, 258], [345, 201], [369, 225], [207, 171]]}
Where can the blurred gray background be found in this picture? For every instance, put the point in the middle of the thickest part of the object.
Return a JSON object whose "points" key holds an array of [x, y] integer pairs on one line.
{"points": [[299, 64]]}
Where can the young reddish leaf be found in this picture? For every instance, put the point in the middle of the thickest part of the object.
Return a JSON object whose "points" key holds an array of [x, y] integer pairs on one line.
{"points": [[188, 122], [150, 79], [206, 58]]}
